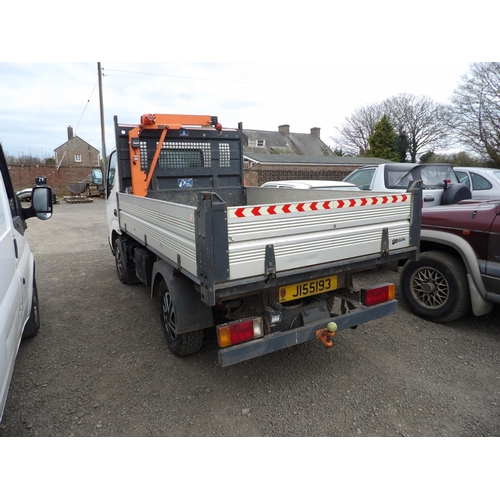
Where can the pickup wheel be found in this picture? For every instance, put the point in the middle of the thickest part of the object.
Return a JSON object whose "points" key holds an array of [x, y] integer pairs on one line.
{"points": [[33, 325], [435, 287], [181, 344]]}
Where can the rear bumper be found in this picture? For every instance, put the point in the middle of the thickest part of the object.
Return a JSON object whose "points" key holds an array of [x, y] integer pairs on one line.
{"points": [[281, 340]]}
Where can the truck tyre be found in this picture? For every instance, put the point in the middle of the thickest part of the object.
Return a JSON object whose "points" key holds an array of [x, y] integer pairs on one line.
{"points": [[435, 287], [125, 274], [33, 325], [181, 344]]}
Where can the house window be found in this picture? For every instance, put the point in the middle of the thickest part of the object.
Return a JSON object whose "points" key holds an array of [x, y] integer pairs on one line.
{"points": [[260, 143], [257, 143], [78, 158]]}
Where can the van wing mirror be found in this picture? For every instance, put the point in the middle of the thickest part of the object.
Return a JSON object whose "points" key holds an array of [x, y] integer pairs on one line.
{"points": [[41, 203]]}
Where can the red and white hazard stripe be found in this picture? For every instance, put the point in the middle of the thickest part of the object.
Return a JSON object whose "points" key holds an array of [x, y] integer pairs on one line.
{"points": [[314, 206]]}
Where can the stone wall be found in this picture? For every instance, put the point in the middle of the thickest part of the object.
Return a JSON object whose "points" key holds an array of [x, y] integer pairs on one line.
{"points": [[58, 179]]}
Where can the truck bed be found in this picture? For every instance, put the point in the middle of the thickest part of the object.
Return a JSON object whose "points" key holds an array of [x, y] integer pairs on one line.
{"points": [[276, 234]]}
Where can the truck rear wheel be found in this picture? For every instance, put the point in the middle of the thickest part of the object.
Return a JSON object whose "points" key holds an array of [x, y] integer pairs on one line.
{"points": [[435, 287], [181, 344]]}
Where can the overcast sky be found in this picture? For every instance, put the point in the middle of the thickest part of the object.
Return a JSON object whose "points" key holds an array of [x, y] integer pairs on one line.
{"points": [[40, 100]]}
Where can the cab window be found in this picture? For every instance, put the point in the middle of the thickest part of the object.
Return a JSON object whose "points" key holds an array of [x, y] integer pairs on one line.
{"points": [[111, 173]]}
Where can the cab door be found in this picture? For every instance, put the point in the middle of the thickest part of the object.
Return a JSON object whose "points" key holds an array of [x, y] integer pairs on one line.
{"points": [[112, 188]]}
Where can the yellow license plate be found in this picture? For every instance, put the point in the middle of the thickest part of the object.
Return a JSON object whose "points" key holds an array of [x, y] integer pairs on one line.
{"points": [[306, 288]]}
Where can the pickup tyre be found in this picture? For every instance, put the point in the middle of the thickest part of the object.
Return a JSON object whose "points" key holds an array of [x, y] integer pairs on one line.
{"points": [[435, 287]]}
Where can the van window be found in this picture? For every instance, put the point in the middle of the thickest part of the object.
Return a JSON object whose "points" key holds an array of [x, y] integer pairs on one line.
{"points": [[3, 226]]}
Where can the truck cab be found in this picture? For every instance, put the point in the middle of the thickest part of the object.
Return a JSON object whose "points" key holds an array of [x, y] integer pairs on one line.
{"points": [[19, 312]]}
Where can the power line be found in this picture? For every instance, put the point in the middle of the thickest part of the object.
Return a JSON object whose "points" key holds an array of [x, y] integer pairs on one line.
{"points": [[86, 105], [190, 78]]}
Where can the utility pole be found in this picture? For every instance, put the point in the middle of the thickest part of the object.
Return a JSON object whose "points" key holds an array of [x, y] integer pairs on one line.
{"points": [[103, 134]]}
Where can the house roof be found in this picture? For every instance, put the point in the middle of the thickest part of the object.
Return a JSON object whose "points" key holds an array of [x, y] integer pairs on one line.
{"points": [[77, 138], [278, 159], [284, 140]]}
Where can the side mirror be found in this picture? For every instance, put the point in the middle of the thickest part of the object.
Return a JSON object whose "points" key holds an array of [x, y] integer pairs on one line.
{"points": [[41, 203]]}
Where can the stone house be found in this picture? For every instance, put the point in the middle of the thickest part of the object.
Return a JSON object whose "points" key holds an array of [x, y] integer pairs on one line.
{"points": [[76, 152], [75, 160]]}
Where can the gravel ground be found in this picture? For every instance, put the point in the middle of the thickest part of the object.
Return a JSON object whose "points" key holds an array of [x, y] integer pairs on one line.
{"points": [[100, 366]]}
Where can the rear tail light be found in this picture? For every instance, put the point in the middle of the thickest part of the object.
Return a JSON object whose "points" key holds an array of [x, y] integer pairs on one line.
{"points": [[378, 294], [239, 331]]}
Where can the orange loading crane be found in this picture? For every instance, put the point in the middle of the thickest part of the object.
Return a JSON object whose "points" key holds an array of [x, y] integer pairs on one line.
{"points": [[140, 178]]}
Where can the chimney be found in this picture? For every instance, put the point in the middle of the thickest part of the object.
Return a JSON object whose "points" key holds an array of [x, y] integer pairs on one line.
{"points": [[70, 133], [315, 131], [284, 129]]}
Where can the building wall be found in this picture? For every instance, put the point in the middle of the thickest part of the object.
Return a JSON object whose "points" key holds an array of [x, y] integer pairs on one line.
{"points": [[65, 154], [58, 179]]}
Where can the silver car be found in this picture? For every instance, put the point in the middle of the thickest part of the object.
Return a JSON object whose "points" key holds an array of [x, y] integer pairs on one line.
{"points": [[439, 181], [483, 182]]}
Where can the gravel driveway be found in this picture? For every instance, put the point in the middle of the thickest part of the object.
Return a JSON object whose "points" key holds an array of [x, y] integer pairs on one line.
{"points": [[100, 366]]}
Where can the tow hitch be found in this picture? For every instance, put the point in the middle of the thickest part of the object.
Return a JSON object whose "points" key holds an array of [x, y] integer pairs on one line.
{"points": [[325, 334]]}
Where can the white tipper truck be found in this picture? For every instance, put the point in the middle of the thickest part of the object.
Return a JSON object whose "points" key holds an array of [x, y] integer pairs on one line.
{"points": [[261, 269]]}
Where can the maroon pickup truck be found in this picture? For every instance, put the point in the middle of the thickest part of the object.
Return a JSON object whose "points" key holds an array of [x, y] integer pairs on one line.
{"points": [[458, 268]]}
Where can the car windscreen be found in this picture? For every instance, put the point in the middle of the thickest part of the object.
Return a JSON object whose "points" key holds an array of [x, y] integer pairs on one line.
{"points": [[362, 178]]}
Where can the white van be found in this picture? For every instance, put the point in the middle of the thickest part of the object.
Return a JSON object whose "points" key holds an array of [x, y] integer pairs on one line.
{"points": [[19, 315]]}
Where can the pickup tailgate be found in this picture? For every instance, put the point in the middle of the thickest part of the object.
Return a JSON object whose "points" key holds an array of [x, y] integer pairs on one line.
{"points": [[316, 232]]}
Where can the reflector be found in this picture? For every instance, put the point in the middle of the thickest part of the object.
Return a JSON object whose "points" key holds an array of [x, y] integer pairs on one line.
{"points": [[378, 294]]}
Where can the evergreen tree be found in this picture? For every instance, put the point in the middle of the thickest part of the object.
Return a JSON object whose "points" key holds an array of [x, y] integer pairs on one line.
{"points": [[402, 145], [383, 141]]}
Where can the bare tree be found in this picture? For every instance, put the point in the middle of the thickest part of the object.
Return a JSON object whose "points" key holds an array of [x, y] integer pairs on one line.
{"points": [[425, 122], [353, 135], [421, 125], [476, 110]]}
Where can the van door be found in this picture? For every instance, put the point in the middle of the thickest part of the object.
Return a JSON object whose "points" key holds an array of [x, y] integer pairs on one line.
{"points": [[11, 296]]}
